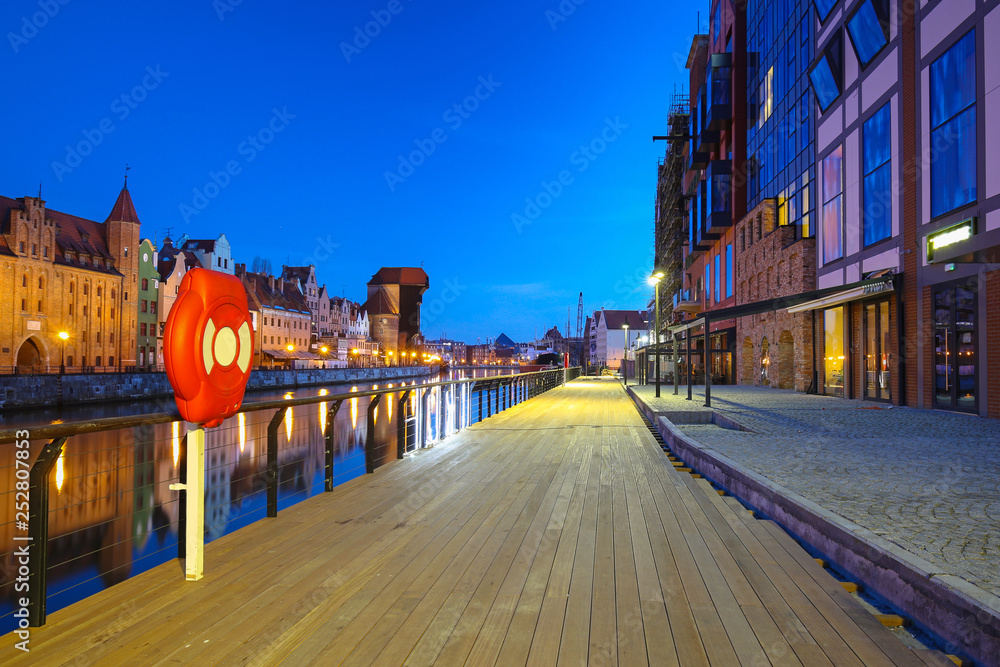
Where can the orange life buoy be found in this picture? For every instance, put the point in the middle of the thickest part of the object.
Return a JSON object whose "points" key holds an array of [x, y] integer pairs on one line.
{"points": [[208, 346]]}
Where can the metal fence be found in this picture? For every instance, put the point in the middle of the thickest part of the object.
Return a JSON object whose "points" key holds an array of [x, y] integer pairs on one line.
{"points": [[118, 517]]}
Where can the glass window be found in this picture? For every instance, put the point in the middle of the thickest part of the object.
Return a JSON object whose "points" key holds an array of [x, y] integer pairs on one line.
{"points": [[832, 220], [717, 283], [953, 127], [729, 270], [708, 281], [824, 7], [868, 30], [824, 83], [877, 162], [834, 351]]}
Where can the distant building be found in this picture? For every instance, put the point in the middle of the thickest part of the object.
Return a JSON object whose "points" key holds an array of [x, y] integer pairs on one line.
{"points": [[283, 328], [609, 334], [171, 266], [148, 316], [211, 253], [393, 306], [453, 352], [66, 273], [316, 297]]}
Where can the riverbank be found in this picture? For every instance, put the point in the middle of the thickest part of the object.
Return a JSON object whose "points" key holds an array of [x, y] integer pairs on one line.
{"points": [[18, 392]]}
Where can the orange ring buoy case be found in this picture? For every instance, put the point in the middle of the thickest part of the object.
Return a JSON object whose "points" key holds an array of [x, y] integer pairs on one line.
{"points": [[208, 346]]}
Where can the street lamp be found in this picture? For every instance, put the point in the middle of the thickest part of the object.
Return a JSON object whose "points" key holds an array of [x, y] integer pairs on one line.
{"points": [[63, 336], [654, 280], [625, 361]]}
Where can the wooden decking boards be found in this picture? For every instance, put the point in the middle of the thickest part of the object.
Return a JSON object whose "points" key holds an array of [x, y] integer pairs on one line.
{"points": [[554, 533]]}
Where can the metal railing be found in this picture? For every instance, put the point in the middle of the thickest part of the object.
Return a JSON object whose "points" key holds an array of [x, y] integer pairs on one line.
{"points": [[425, 414]]}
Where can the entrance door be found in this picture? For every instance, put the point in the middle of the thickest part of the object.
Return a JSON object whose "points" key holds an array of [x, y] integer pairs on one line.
{"points": [[955, 348], [878, 361]]}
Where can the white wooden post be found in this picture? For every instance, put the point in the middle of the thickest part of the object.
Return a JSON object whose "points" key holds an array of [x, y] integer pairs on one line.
{"points": [[194, 519]]}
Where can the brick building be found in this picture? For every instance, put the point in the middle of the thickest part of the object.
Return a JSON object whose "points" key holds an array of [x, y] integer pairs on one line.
{"points": [[283, 326], [393, 306], [774, 348], [64, 273]]}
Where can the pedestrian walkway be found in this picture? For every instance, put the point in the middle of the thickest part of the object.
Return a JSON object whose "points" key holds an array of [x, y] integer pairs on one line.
{"points": [[928, 481], [553, 533]]}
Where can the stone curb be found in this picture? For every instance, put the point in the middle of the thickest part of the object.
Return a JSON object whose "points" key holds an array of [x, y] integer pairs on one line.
{"points": [[962, 614]]}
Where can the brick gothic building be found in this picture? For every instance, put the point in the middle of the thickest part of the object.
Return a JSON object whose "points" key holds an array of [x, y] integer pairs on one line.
{"points": [[774, 349], [393, 306], [61, 272]]}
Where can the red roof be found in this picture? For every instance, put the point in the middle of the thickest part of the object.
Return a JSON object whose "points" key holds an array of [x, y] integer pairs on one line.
{"points": [[400, 275], [124, 210]]}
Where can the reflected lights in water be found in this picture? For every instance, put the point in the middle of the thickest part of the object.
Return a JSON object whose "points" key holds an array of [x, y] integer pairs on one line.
{"points": [[60, 471], [177, 442], [354, 410], [243, 431], [288, 423]]}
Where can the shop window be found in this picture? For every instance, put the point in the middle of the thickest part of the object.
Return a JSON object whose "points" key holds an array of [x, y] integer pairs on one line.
{"points": [[869, 29], [955, 332], [826, 74], [953, 127], [765, 362], [877, 214], [832, 195], [835, 354]]}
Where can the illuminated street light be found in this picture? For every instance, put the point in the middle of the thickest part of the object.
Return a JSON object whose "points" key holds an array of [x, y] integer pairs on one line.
{"points": [[654, 280], [63, 336]]}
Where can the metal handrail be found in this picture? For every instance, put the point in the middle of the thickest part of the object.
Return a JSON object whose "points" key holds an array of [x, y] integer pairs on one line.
{"points": [[68, 429]]}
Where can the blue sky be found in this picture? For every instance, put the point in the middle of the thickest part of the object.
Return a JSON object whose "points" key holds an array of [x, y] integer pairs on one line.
{"points": [[506, 146]]}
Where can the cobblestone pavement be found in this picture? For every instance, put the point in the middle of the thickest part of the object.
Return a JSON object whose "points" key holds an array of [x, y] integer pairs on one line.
{"points": [[926, 480]]}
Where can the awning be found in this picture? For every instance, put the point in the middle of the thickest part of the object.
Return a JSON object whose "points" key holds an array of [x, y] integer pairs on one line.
{"points": [[278, 354], [852, 294]]}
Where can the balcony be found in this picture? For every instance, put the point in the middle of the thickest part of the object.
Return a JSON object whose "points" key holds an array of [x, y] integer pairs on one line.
{"points": [[685, 303], [719, 110], [719, 214], [698, 160], [708, 141]]}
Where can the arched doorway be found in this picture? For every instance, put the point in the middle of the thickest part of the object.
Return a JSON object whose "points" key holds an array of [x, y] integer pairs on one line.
{"points": [[765, 362], [29, 357], [746, 377], [786, 361]]}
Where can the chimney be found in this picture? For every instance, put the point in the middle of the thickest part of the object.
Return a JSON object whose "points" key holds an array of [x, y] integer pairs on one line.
{"points": [[270, 281], [281, 285]]}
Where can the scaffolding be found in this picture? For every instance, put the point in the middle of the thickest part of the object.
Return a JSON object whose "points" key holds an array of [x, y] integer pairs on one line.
{"points": [[670, 206]]}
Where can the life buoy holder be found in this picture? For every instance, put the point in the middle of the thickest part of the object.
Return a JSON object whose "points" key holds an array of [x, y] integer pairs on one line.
{"points": [[208, 346]]}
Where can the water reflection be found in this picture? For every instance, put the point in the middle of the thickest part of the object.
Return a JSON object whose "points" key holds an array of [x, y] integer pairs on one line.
{"points": [[112, 513]]}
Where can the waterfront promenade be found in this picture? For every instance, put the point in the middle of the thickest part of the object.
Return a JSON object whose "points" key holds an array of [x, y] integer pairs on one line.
{"points": [[553, 533], [925, 480]]}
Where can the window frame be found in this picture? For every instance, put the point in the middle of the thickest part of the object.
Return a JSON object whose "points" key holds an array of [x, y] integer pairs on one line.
{"points": [[881, 9], [885, 108], [833, 57]]}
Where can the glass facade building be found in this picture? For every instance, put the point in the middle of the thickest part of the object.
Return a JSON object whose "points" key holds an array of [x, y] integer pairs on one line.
{"points": [[781, 154]]}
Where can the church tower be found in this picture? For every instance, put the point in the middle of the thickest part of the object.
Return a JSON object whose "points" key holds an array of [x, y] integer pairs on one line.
{"points": [[123, 239]]}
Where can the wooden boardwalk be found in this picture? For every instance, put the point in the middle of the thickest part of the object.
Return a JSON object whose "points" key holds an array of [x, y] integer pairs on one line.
{"points": [[553, 533]]}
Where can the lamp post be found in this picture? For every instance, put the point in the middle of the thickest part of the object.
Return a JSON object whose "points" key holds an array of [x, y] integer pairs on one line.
{"points": [[654, 280], [625, 361], [63, 335], [324, 350]]}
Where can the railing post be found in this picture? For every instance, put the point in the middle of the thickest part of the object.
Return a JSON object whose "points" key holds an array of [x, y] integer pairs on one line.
{"points": [[272, 462], [182, 498], [38, 530], [194, 524], [480, 403], [370, 435], [401, 425], [331, 442]]}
